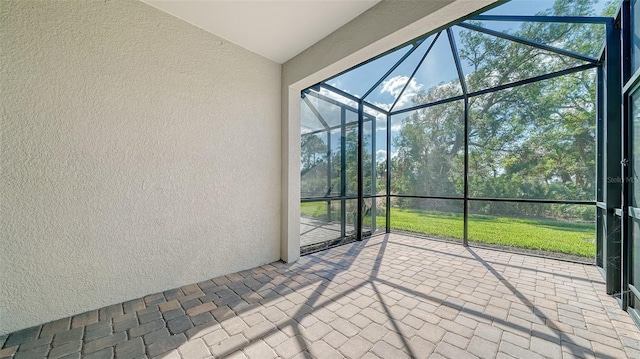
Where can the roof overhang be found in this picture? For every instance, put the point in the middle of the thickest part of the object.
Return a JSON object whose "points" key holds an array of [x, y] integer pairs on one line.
{"points": [[277, 30]]}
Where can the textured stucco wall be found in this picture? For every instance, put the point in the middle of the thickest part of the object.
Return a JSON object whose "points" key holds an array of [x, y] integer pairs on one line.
{"points": [[137, 153], [381, 28]]}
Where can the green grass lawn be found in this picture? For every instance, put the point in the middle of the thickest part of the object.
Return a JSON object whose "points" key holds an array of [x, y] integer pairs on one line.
{"points": [[547, 235], [313, 209]]}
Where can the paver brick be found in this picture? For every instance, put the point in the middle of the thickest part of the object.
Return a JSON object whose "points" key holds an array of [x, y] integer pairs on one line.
{"points": [[273, 314], [46, 340], [384, 350], [202, 330], [124, 317], [360, 321], [202, 308], [203, 318], [125, 324], [602, 350], [259, 330], [437, 303], [347, 311], [173, 313], [156, 335], [190, 297], [55, 327], [130, 349], [173, 294], [133, 306], [111, 311], [335, 339], [68, 336], [22, 336], [355, 347], [37, 352], [66, 349], [106, 353], [449, 351], [154, 299], [483, 348], [517, 351], [546, 348], [456, 340], [98, 333], [432, 333], [171, 354], [518, 340], [147, 310], [195, 349], [317, 331], [344, 327], [234, 325], [84, 319], [228, 345], [413, 322], [105, 342], [169, 305], [259, 350], [146, 328], [166, 344], [179, 324], [149, 316], [98, 325], [290, 347], [421, 348], [223, 313], [8, 352], [322, 350], [488, 332], [216, 337], [191, 289], [76, 355], [186, 305]]}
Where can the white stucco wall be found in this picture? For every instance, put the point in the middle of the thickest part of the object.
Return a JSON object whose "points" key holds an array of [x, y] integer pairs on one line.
{"points": [[385, 26], [138, 153]]}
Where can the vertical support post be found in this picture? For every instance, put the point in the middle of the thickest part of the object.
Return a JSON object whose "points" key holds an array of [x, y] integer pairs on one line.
{"points": [[613, 152], [329, 174], [374, 174], [343, 172], [625, 231], [388, 211], [465, 204], [463, 84], [627, 39], [360, 179], [600, 171]]}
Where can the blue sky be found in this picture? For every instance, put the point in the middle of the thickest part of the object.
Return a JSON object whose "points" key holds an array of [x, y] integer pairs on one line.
{"points": [[437, 68]]}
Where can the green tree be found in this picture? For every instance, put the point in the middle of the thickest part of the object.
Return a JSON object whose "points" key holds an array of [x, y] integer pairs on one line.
{"points": [[532, 141], [313, 166]]}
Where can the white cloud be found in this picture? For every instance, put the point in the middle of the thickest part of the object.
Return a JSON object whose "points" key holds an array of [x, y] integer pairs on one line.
{"points": [[384, 106], [381, 155], [397, 122], [394, 85], [337, 84], [339, 98]]}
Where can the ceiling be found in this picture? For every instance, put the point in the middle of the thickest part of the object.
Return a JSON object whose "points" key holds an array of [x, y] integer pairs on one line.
{"points": [[277, 30]]}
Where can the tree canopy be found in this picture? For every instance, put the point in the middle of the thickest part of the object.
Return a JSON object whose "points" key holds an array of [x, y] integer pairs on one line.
{"points": [[534, 141]]}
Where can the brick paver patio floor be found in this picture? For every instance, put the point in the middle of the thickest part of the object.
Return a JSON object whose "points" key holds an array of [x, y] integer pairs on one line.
{"points": [[388, 297]]}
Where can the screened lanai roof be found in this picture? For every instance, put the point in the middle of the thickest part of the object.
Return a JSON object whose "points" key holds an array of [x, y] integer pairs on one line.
{"points": [[454, 62]]}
